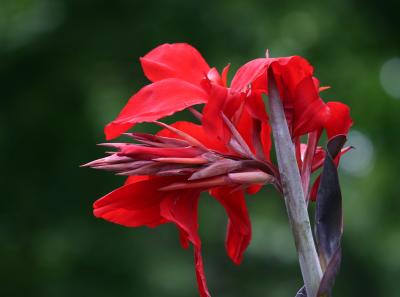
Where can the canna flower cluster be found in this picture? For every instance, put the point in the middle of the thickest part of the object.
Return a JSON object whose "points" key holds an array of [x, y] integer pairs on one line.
{"points": [[225, 153]]}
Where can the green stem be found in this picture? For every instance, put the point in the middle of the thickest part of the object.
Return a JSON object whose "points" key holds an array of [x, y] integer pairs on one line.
{"points": [[293, 193]]}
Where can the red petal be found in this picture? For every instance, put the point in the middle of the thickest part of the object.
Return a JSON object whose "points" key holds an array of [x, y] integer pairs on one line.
{"points": [[134, 179], [248, 73], [266, 139], [221, 100], [211, 120], [245, 126], [338, 120], [314, 189], [256, 106], [178, 60], [305, 110], [149, 217], [135, 204], [254, 72], [239, 227], [224, 75], [299, 94], [155, 101], [253, 189], [308, 108], [181, 207], [213, 75], [292, 71], [200, 275]]}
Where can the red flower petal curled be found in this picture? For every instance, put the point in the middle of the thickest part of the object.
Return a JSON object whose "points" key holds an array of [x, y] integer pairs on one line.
{"points": [[238, 234], [137, 203], [338, 120], [178, 60], [180, 208], [157, 100]]}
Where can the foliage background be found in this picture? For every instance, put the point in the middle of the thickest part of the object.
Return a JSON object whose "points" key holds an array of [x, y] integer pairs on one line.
{"points": [[68, 66]]}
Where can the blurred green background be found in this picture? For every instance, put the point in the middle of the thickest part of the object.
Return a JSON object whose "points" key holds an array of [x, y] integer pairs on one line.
{"points": [[68, 66]]}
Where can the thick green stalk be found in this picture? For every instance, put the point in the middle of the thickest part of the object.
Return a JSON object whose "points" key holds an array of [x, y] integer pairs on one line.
{"points": [[293, 193]]}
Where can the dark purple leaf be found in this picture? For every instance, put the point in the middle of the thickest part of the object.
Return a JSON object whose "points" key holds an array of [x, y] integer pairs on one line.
{"points": [[329, 217], [335, 144], [328, 211], [330, 273]]}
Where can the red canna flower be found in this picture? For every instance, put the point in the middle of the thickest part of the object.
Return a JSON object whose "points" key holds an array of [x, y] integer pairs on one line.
{"points": [[228, 154]]}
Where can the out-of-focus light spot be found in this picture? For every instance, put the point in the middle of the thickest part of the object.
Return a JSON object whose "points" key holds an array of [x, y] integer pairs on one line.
{"points": [[390, 77], [359, 161]]}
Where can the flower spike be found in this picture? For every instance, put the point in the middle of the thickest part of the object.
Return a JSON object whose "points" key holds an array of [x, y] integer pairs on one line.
{"points": [[228, 153]]}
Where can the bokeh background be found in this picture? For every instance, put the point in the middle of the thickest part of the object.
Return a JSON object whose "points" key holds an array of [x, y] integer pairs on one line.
{"points": [[68, 66]]}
